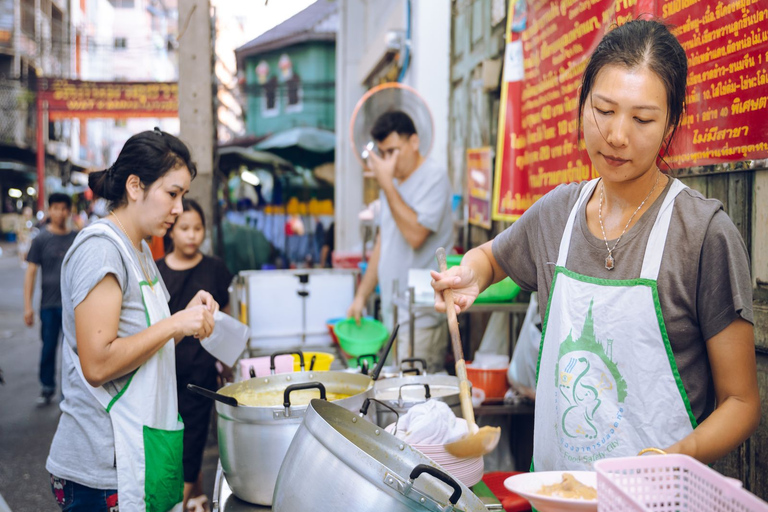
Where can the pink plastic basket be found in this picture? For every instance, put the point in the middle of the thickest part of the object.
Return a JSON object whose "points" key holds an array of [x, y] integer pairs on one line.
{"points": [[669, 483]]}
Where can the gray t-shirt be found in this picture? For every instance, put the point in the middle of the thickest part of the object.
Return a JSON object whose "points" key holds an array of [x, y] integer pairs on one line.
{"points": [[704, 282], [47, 252], [83, 448], [428, 192]]}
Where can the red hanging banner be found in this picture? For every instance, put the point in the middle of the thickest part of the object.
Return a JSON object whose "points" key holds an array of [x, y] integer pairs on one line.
{"points": [[726, 44], [116, 100]]}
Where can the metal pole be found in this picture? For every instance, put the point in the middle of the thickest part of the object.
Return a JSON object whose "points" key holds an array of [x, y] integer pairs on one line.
{"points": [[40, 153], [412, 321], [395, 320]]}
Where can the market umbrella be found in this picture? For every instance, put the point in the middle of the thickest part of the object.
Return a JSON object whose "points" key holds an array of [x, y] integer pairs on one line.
{"points": [[233, 157], [304, 146]]}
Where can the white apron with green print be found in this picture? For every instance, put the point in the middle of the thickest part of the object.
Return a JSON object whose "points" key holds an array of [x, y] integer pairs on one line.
{"points": [[147, 427], [607, 382]]}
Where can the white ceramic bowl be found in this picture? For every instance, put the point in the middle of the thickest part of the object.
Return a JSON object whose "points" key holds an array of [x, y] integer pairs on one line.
{"points": [[527, 485]]}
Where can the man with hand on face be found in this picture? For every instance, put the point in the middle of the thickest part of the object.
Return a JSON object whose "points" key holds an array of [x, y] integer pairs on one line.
{"points": [[47, 252], [415, 220]]}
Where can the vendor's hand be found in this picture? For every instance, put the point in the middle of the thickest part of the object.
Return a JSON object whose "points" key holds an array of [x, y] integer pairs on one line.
{"points": [[356, 310], [206, 299], [462, 281], [383, 168], [29, 317], [224, 375], [194, 321]]}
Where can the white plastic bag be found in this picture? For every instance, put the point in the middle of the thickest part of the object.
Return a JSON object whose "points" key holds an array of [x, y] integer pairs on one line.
{"points": [[228, 339]]}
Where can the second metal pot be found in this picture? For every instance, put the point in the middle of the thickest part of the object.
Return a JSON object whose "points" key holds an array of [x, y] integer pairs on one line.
{"points": [[405, 392], [254, 440]]}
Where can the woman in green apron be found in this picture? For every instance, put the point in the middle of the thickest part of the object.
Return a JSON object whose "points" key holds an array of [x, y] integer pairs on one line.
{"points": [[119, 439], [647, 340]]}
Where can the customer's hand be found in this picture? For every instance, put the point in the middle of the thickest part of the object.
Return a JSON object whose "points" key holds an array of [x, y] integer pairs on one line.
{"points": [[462, 281], [29, 317], [194, 321], [356, 310], [204, 298]]}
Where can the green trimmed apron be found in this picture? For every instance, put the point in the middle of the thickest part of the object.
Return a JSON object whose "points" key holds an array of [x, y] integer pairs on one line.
{"points": [[607, 382], [145, 421]]}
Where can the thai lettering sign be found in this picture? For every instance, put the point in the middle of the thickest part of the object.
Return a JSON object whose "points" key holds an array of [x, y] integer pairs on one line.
{"points": [[76, 98], [726, 44], [727, 48], [479, 186]]}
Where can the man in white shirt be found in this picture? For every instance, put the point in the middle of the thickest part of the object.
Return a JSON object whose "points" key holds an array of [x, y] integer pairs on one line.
{"points": [[415, 220]]}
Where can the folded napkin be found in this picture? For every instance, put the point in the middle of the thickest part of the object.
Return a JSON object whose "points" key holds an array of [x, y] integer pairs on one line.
{"points": [[430, 422]]}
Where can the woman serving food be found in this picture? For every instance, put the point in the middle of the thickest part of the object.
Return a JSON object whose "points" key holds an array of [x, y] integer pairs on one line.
{"points": [[647, 339]]}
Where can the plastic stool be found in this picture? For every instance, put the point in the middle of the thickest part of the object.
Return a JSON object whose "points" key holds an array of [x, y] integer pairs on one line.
{"points": [[510, 501]]}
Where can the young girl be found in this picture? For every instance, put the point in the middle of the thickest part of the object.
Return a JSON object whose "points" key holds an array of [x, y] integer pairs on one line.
{"points": [[119, 434], [185, 270], [647, 339]]}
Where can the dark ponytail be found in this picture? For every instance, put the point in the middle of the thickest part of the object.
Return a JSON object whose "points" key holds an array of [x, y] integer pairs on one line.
{"points": [[149, 155]]}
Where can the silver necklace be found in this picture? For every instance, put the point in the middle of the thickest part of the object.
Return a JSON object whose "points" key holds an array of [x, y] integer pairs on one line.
{"points": [[610, 261]]}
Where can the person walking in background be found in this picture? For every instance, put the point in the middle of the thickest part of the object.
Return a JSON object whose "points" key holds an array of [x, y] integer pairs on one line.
{"points": [[185, 270], [415, 220], [47, 252]]}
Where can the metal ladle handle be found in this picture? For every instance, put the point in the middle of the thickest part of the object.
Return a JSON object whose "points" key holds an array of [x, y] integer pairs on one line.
{"points": [[367, 403]]}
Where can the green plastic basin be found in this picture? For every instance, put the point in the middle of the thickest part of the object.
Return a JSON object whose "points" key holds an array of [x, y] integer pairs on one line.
{"points": [[356, 340]]}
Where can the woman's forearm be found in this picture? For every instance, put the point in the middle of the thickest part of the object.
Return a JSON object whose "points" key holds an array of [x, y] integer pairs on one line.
{"points": [[721, 433], [121, 356]]}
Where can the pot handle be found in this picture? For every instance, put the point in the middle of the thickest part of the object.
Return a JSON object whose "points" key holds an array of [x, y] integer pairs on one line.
{"points": [[367, 403], [373, 357], [273, 356], [440, 475], [411, 370], [304, 385], [415, 360], [427, 394]]}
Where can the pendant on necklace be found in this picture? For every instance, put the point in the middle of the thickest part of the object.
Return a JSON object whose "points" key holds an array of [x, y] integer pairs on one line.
{"points": [[609, 262]]}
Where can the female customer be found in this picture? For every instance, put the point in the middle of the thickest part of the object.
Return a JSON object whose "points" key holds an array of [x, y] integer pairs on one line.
{"points": [[185, 270], [647, 339], [119, 435]]}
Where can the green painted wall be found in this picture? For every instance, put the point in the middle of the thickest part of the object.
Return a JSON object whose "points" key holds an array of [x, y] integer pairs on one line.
{"points": [[315, 64]]}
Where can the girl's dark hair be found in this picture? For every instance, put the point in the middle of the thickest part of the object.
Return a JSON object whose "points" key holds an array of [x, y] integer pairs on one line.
{"points": [[191, 204], [641, 43], [187, 205], [149, 155]]}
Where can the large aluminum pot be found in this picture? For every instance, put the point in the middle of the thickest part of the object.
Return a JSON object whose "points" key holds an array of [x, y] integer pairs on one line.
{"points": [[254, 440], [405, 392], [339, 461]]}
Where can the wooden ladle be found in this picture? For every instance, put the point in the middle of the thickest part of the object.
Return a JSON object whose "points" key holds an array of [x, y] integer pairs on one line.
{"points": [[478, 441]]}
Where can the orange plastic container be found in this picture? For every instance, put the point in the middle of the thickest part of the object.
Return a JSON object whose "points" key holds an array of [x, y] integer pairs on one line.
{"points": [[492, 381]]}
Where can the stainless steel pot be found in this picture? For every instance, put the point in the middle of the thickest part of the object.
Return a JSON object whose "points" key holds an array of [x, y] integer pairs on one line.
{"points": [[405, 392], [339, 461], [254, 440]]}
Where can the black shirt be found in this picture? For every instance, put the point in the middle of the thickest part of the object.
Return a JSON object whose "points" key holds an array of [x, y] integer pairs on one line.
{"points": [[193, 363]]}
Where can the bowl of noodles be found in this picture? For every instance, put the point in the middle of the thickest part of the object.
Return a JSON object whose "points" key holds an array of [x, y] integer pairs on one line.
{"points": [[557, 491]]}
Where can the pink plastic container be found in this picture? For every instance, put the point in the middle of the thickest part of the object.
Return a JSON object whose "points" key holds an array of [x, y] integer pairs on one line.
{"points": [[669, 483], [283, 364]]}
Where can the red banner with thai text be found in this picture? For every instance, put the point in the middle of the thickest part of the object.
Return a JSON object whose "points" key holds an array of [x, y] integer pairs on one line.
{"points": [[726, 44], [116, 100], [727, 48]]}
